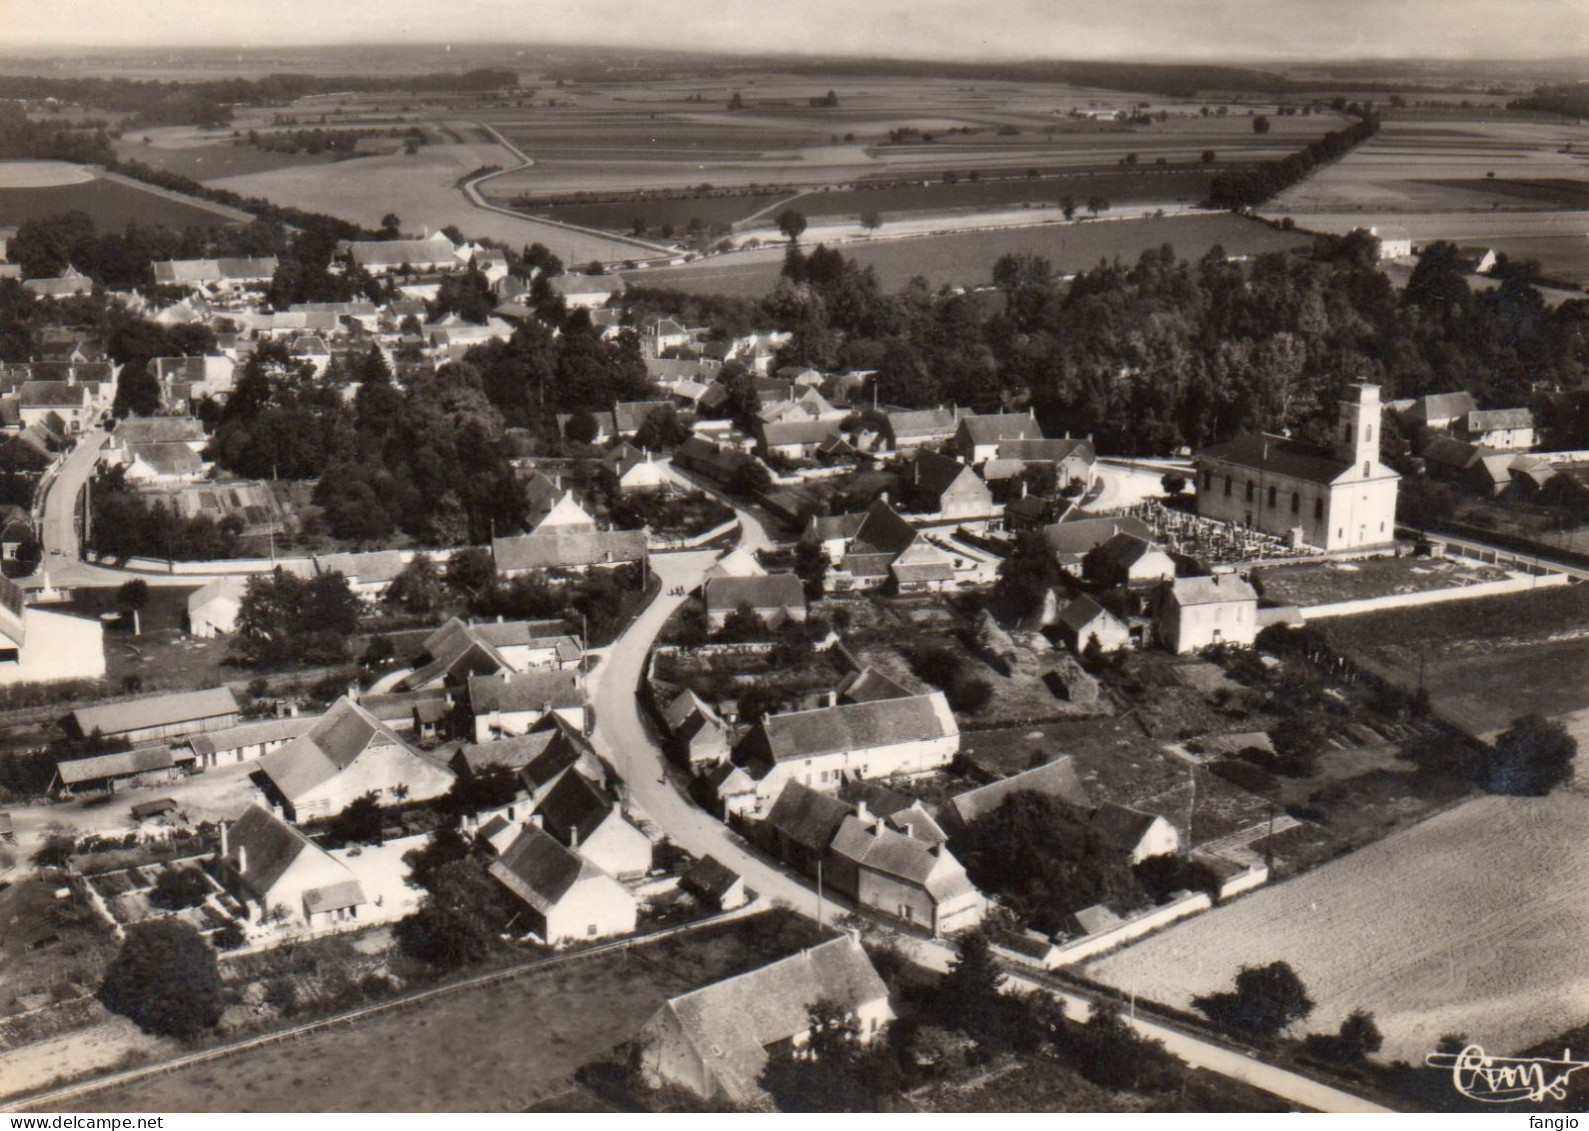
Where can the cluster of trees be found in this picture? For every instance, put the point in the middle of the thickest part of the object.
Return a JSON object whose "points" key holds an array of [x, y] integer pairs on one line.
{"points": [[1250, 186], [127, 524], [321, 140], [463, 911], [166, 980], [284, 618]]}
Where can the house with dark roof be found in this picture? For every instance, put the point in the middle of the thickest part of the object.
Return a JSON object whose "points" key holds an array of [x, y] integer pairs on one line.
{"points": [[1132, 833], [914, 428], [1499, 429], [1127, 560], [567, 898], [794, 439], [271, 868], [345, 755], [460, 649], [869, 684], [715, 884], [1439, 411], [370, 573], [584, 818], [699, 736], [825, 746], [886, 550], [775, 597], [71, 402], [102, 773], [1084, 620], [1196, 612], [1333, 498], [945, 488], [1073, 461], [512, 703], [916, 880], [833, 533], [1056, 779], [977, 438], [714, 1042]]}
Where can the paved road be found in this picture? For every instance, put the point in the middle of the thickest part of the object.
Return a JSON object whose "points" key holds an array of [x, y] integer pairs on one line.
{"points": [[625, 736]]}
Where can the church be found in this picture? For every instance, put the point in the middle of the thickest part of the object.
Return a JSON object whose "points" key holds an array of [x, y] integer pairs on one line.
{"points": [[1332, 498]]}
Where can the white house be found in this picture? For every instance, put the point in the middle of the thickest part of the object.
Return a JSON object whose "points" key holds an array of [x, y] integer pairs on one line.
{"points": [[584, 818], [569, 899], [1133, 833], [510, 703], [1196, 612], [1084, 620], [273, 869]]}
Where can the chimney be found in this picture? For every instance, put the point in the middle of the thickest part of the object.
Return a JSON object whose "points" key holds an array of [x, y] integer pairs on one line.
{"points": [[242, 858], [830, 698], [225, 829], [573, 836], [860, 812], [504, 675], [908, 827], [536, 820], [353, 690], [617, 808]]}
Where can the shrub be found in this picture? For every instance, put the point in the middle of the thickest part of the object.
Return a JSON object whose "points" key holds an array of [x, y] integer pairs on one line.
{"points": [[165, 979], [176, 888]]}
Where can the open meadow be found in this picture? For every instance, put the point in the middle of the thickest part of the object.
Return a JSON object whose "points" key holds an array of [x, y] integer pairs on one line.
{"points": [[30, 190], [967, 258], [1471, 922]]}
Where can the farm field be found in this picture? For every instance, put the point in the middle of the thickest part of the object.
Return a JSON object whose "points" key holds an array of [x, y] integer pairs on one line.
{"points": [[1511, 182], [1484, 661], [1327, 583], [422, 190], [501, 1047], [1469, 922], [206, 155], [967, 258], [33, 189]]}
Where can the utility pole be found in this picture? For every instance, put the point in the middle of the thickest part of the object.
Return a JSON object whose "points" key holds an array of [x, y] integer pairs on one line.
{"points": [[819, 893]]}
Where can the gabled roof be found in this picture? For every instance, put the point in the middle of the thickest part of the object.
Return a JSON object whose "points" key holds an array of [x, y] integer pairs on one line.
{"points": [[1452, 453], [1498, 419], [1218, 589], [995, 427], [1053, 779], [156, 711], [160, 429], [571, 284], [921, 422], [251, 734], [878, 848], [568, 550], [782, 432], [883, 531], [328, 748], [539, 870], [709, 877], [394, 253], [566, 515], [525, 691], [686, 706], [807, 817], [169, 458], [1072, 540], [730, 1024], [1279, 455], [1120, 827], [52, 394], [870, 684], [852, 727], [575, 809], [829, 527], [267, 846], [141, 761], [371, 567], [935, 474], [1125, 550], [768, 591], [515, 753], [1046, 451], [1083, 611], [1441, 406]]}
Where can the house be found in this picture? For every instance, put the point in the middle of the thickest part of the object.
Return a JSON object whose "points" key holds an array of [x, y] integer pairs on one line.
{"points": [[1394, 242], [370, 573], [977, 438], [184, 380], [700, 737], [1133, 833], [732, 791], [714, 1041], [738, 562], [567, 550], [635, 470], [246, 742], [40, 646], [68, 284], [715, 884], [213, 608], [915, 428], [162, 463], [418, 713], [824, 746], [345, 755], [833, 532], [1070, 542], [902, 812], [945, 488], [458, 650], [586, 291], [211, 275], [1471, 466], [1084, 620], [16, 533], [918, 881], [569, 899], [793, 439], [1500, 429], [801, 825], [886, 549], [775, 597], [629, 416], [144, 765], [870, 684], [1337, 498], [1196, 612], [1127, 560], [159, 716], [1073, 461], [584, 818], [69, 401], [511, 703], [271, 868], [1056, 779], [1440, 411]]}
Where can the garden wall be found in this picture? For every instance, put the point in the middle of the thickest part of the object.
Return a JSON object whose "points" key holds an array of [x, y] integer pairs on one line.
{"points": [[1433, 596]]}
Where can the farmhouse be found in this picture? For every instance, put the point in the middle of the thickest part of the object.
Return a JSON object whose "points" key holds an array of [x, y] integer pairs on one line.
{"points": [[570, 550], [833, 532], [945, 487], [716, 885], [714, 1041], [369, 574], [1439, 411], [916, 880], [1340, 498], [1127, 560], [582, 817], [586, 291], [635, 470], [914, 428], [380, 257], [1394, 242], [345, 755], [270, 867], [1056, 779], [775, 597], [69, 402], [1073, 461], [793, 439], [1133, 833], [208, 276], [160, 716], [1085, 620], [68, 284], [1196, 612], [162, 462], [569, 898], [1070, 542], [700, 737], [824, 746], [887, 549], [38, 646], [978, 438], [511, 703], [1500, 429]]}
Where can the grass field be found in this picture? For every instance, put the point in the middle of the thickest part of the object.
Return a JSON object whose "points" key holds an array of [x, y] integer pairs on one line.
{"points": [[111, 204], [967, 258], [207, 158], [1470, 922], [1484, 661], [1327, 583], [499, 1048]]}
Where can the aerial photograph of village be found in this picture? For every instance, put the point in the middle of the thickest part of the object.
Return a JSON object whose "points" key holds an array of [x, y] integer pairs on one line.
{"points": [[875, 557]]}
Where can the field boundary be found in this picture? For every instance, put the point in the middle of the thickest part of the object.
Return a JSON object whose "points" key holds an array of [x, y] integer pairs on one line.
{"points": [[133, 1075]]}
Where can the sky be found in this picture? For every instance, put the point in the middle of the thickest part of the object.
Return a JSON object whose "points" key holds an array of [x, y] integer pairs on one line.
{"points": [[1192, 30]]}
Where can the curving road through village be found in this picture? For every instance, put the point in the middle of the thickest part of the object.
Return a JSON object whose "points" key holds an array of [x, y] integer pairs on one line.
{"points": [[627, 738]]}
